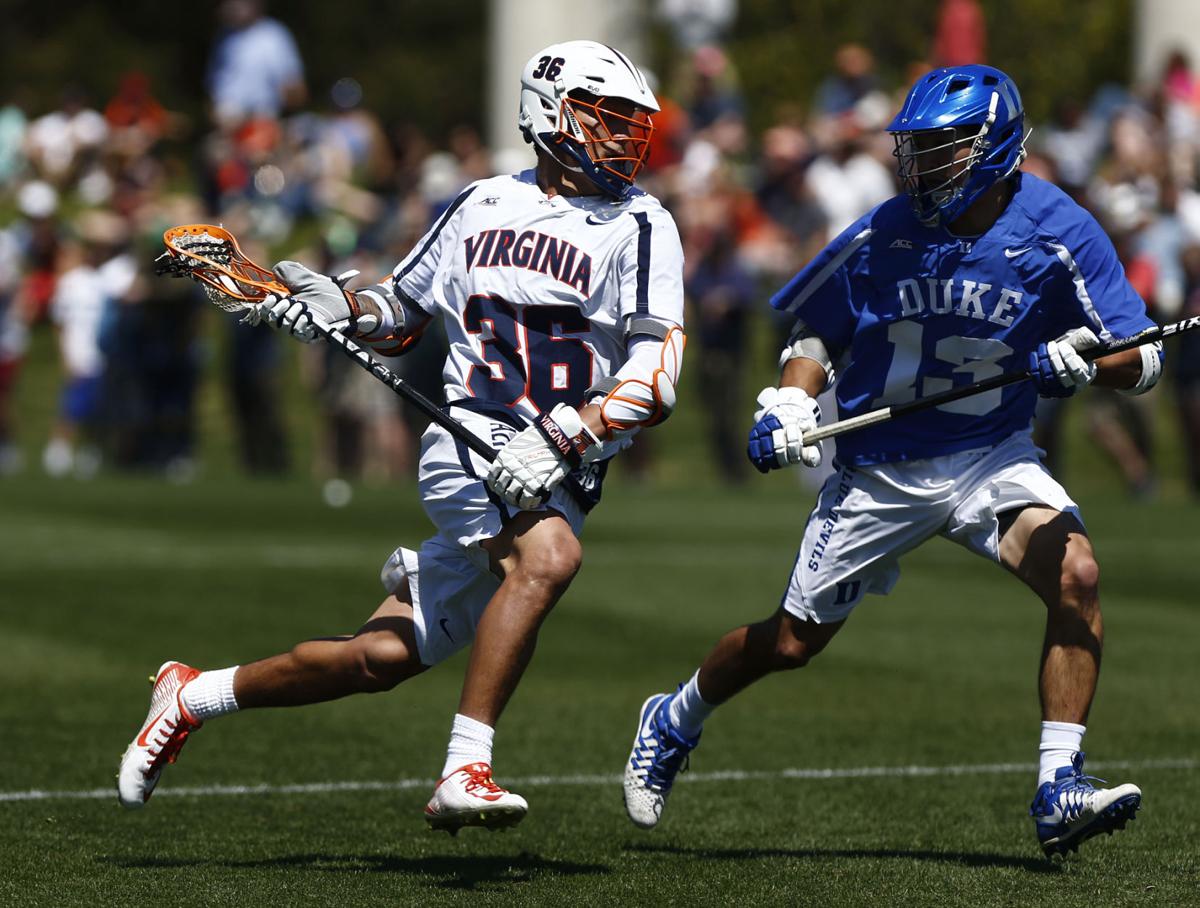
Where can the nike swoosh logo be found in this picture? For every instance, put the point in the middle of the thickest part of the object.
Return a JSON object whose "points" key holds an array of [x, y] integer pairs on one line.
{"points": [[1013, 253], [445, 630], [595, 223], [141, 741]]}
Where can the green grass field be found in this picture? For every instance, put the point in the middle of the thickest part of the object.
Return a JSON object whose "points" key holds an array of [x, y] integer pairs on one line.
{"points": [[100, 582]]}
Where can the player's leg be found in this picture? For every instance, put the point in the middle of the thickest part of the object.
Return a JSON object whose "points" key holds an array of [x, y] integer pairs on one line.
{"points": [[746, 654], [669, 725], [537, 554], [1050, 551], [381, 654], [377, 657], [849, 549]]}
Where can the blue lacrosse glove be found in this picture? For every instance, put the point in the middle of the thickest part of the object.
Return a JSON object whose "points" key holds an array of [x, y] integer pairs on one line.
{"points": [[783, 417], [1056, 367]]}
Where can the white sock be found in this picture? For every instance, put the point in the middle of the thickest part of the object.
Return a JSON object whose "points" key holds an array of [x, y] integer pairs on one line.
{"points": [[210, 694], [1060, 742], [470, 742], [688, 709]]}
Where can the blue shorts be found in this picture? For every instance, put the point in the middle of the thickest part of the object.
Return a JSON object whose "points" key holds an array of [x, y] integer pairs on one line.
{"points": [[81, 398]]}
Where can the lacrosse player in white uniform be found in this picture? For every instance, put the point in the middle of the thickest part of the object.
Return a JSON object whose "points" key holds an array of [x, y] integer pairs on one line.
{"points": [[561, 292]]}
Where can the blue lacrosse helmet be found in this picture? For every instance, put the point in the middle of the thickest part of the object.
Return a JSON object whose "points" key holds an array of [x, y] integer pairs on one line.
{"points": [[976, 107]]}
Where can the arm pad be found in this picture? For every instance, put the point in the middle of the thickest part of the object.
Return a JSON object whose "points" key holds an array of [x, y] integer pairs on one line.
{"points": [[402, 319], [802, 343], [642, 393], [1152, 367]]}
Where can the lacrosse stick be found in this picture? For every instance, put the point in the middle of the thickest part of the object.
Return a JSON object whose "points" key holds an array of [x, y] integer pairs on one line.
{"points": [[211, 256], [883, 414]]}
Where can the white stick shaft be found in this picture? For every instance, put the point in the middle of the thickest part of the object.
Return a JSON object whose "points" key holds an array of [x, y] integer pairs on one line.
{"points": [[848, 425]]}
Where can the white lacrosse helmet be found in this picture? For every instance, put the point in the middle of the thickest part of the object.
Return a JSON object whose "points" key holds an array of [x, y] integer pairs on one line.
{"points": [[610, 144]]}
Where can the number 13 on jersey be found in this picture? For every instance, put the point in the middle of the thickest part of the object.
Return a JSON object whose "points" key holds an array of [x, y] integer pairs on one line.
{"points": [[976, 358]]}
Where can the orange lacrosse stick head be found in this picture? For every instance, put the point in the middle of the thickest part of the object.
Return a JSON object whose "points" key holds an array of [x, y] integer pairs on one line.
{"points": [[211, 255]]}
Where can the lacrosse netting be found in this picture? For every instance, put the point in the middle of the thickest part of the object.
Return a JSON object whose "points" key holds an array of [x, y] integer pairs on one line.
{"points": [[211, 255]]}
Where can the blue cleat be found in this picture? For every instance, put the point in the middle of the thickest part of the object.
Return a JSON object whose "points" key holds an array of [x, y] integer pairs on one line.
{"points": [[1070, 810], [659, 754]]}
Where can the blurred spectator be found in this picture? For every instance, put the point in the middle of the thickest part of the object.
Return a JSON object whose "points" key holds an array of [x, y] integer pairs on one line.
{"points": [[29, 252], [1179, 97], [787, 199], [961, 34], [12, 347], [1161, 242], [1183, 365], [847, 181], [722, 292], [698, 22], [13, 124], [255, 69], [853, 78], [1123, 426], [714, 96], [364, 431], [136, 119], [83, 298], [38, 235], [254, 385], [1073, 141], [152, 349], [357, 138], [672, 130], [64, 145], [1126, 181]]}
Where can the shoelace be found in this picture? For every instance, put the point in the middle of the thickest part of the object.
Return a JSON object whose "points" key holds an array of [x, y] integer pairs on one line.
{"points": [[1070, 797], [481, 778], [664, 760], [170, 745]]}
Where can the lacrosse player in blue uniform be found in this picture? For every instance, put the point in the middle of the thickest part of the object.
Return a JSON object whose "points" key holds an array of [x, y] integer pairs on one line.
{"points": [[561, 291], [976, 270]]}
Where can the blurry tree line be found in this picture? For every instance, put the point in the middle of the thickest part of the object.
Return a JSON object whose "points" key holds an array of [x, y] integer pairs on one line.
{"points": [[416, 61], [425, 61], [784, 48]]}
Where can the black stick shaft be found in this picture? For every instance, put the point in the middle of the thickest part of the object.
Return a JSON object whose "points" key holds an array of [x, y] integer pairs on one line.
{"points": [[883, 414], [428, 407], [431, 410]]}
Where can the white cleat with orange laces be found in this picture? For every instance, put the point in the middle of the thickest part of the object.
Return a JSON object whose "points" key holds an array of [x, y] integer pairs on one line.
{"points": [[162, 735], [469, 797]]}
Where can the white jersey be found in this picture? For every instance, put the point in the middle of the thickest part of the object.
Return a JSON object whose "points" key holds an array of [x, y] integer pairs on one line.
{"points": [[81, 300], [536, 292]]}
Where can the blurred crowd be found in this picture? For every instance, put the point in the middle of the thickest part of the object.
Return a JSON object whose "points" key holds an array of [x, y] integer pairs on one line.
{"points": [[91, 186]]}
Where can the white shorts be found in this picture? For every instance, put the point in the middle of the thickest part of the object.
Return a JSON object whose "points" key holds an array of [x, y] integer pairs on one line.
{"points": [[867, 517], [449, 579]]}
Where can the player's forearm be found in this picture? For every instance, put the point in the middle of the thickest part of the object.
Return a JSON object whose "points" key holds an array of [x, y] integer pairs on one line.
{"points": [[1121, 370], [367, 302], [807, 374], [591, 417]]}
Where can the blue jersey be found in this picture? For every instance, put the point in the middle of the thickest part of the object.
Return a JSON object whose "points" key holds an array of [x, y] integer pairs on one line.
{"points": [[908, 311]]}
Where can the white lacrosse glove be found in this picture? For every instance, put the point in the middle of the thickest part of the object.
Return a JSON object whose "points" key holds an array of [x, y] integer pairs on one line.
{"points": [[314, 299], [534, 461], [1057, 368], [783, 418]]}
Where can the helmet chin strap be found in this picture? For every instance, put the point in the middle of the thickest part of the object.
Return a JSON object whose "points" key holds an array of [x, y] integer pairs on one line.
{"points": [[562, 154]]}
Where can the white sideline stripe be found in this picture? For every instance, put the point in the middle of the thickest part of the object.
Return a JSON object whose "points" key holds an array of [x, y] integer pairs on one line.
{"points": [[731, 775]]}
